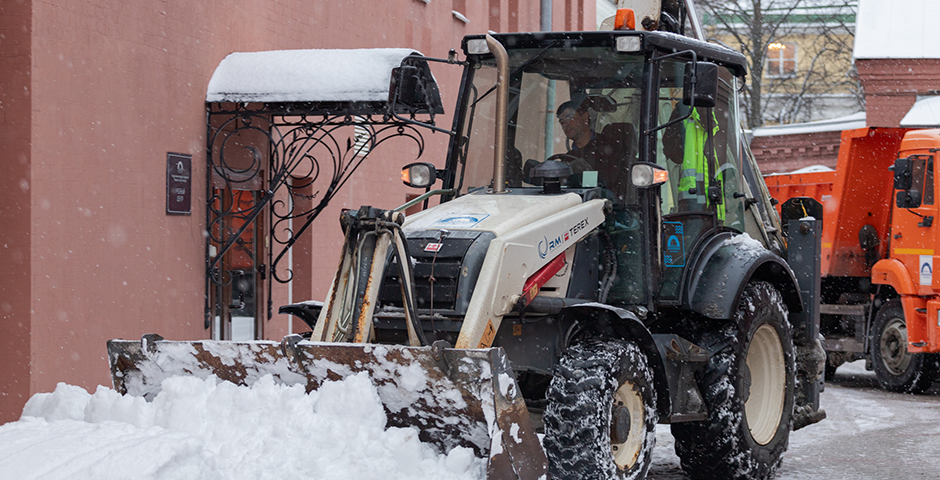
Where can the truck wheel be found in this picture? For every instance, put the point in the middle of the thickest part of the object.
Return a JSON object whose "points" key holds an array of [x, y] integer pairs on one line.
{"points": [[897, 369], [748, 387], [600, 421]]}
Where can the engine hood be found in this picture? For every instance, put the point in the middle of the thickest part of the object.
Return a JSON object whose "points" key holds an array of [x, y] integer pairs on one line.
{"points": [[498, 214]]}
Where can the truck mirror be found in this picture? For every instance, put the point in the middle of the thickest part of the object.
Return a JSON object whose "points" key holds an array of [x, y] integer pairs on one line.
{"points": [[412, 89], [908, 199], [419, 175], [406, 87], [700, 84], [903, 171]]}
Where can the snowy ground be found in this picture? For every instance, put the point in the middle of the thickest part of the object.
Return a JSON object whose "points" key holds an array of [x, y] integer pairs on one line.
{"points": [[869, 434], [209, 430]]}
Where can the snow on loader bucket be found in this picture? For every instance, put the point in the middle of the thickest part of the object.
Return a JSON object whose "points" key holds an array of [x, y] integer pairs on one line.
{"points": [[453, 397]]}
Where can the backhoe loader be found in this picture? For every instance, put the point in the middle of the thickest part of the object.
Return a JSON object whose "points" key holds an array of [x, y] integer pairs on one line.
{"points": [[585, 295]]}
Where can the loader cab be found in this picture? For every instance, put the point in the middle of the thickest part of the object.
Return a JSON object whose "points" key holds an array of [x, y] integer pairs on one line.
{"points": [[628, 93]]}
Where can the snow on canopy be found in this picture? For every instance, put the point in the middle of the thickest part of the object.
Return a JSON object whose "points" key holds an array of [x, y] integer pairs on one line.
{"points": [[924, 113], [316, 75], [897, 29]]}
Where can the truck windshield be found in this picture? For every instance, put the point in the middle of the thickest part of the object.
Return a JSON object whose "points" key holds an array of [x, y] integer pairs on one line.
{"points": [[579, 105]]}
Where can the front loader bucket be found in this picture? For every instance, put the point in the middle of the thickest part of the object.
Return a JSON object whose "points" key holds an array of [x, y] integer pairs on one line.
{"points": [[452, 397]]}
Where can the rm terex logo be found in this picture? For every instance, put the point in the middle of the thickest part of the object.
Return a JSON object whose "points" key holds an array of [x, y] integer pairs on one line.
{"points": [[548, 245]]}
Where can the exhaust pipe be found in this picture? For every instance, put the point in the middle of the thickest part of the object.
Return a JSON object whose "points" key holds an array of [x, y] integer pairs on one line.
{"points": [[502, 107]]}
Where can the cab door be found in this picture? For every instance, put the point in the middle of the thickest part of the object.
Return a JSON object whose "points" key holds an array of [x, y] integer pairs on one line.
{"points": [[914, 219]]}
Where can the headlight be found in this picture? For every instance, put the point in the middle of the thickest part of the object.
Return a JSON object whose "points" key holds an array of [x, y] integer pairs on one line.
{"points": [[419, 175], [629, 44], [645, 175], [477, 46]]}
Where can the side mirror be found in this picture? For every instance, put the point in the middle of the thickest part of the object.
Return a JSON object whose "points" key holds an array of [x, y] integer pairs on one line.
{"points": [[412, 89], [700, 84], [904, 182], [903, 171], [647, 175], [404, 89], [908, 199], [419, 175]]}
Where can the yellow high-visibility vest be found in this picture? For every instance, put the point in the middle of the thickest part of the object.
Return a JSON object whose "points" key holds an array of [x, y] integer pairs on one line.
{"points": [[694, 173]]}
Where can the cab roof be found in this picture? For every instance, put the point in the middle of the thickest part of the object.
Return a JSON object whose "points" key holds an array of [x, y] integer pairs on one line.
{"points": [[659, 40]]}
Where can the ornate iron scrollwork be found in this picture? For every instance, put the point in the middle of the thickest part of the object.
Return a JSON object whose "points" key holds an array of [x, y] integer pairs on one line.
{"points": [[296, 160]]}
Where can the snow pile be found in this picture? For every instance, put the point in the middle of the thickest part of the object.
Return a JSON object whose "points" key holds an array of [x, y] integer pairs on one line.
{"points": [[209, 429], [745, 242]]}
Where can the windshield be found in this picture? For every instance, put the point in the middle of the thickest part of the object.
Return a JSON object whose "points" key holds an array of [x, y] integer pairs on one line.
{"points": [[579, 105]]}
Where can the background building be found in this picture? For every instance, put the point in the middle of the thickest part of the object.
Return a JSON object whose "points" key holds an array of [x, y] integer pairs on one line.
{"points": [[99, 99], [898, 61], [898, 66], [786, 148], [799, 54]]}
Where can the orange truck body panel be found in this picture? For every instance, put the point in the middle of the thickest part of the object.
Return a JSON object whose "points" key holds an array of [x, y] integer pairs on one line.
{"points": [[861, 192], [857, 193]]}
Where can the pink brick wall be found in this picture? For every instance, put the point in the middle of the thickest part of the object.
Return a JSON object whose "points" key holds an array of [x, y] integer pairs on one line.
{"points": [[94, 94]]}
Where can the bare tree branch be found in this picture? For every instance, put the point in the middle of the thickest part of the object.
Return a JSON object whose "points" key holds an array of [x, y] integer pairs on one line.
{"points": [[823, 31]]}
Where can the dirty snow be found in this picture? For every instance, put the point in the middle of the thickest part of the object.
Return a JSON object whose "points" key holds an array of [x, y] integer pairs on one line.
{"points": [[209, 429]]}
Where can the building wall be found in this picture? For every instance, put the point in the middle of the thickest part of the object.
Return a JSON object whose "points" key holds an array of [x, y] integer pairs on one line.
{"points": [[892, 85], [786, 153], [94, 94], [15, 208]]}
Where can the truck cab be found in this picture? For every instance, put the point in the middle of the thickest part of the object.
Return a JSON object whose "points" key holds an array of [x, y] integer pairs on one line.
{"points": [[909, 268]]}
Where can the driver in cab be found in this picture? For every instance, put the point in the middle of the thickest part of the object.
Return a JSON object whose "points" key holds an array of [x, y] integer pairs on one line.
{"points": [[592, 151]]}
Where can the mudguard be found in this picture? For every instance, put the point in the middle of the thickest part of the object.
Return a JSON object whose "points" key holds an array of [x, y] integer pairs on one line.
{"points": [[626, 324], [890, 271], [726, 264]]}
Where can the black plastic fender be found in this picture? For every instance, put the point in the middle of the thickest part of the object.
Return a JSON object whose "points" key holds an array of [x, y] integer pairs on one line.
{"points": [[726, 263], [625, 324]]}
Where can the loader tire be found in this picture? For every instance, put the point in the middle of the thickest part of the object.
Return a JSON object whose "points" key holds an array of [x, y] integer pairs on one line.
{"points": [[600, 421], [896, 369], [748, 388]]}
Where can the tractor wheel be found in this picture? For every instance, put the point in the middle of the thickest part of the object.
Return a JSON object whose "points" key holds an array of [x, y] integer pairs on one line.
{"points": [[600, 421], [897, 369], [748, 387]]}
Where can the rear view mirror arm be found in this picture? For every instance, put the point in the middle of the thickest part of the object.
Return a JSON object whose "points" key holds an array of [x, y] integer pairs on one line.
{"points": [[452, 60]]}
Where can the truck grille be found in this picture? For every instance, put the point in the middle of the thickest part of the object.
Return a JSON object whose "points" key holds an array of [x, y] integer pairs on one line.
{"points": [[444, 276]]}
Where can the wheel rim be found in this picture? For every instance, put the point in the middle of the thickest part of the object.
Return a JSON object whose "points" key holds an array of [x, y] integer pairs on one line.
{"points": [[628, 411], [768, 376], [893, 346]]}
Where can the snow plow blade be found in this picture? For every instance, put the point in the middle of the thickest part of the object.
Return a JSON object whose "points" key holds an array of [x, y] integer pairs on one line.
{"points": [[453, 397]]}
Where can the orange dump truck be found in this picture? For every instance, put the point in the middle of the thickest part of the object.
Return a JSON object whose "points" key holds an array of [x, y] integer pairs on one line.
{"points": [[880, 247]]}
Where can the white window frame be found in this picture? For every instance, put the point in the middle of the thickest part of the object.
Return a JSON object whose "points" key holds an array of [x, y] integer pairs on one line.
{"points": [[775, 58]]}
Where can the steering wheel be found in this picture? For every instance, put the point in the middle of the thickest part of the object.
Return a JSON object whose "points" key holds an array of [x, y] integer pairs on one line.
{"points": [[565, 157]]}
